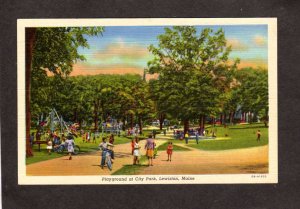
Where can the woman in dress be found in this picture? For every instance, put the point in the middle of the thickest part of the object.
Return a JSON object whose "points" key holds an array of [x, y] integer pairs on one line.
{"points": [[149, 146]]}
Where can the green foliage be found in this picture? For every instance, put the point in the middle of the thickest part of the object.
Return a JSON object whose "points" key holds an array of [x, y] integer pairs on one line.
{"points": [[253, 91], [193, 72], [56, 48]]}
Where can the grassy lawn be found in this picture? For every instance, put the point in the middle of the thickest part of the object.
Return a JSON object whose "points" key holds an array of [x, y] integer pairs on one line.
{"points": [[42, 155], [238, 136], [164, 146], [84, 148], [132, 169]]}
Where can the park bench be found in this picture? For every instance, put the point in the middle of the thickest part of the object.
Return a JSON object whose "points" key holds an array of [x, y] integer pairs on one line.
{"points": [[39, 142]]}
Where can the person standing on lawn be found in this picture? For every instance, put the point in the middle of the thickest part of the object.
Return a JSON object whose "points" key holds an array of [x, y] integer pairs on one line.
{"points": [[149, 146], [258, 135], [186, 137], [170, 151], [69, 143], [197, 137]]}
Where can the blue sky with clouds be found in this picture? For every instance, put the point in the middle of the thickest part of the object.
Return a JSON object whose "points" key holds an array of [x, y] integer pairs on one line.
{"points": [[122, 49]]}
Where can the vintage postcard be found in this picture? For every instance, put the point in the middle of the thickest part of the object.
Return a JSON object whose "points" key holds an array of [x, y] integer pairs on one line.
{"points": [[147, 101]]}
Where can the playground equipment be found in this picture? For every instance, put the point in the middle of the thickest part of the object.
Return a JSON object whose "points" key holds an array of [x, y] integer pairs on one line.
{"points": [[112, 126]]}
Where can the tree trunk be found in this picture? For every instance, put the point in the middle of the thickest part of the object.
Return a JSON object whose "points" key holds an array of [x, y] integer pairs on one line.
{"points": [[29, 41], [201, 123], [95, 116], [140, 125], [75, 116], [161, 120], [225, 118], [131, 121], [231, 117], [250, 117], [123, 127], [221, 119], [186, 126]]}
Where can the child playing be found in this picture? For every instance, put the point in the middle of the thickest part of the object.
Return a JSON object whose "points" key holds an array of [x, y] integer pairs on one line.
{"points": [[136, 152], [49, 147], [169, 151]]}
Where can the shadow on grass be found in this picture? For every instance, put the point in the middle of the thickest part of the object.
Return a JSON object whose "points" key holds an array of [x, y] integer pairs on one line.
{"points": [[248, 127], [130, 169]]}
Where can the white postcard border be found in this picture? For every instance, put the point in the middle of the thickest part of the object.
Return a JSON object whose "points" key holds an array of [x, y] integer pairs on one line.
{"points": [[271, 177]]}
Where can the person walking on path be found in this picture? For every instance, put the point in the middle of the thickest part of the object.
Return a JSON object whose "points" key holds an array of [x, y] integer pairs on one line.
{"points": [[69, 143], [170, 151], [136, 152], [149, 146], [186, 137], [258, 135], [104, 146], [154, 133]]}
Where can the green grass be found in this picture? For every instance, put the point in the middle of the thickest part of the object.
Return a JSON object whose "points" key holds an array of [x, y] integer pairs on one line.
{"points": [[42, 155], [132, 169], [163, 147], [239, 136]]}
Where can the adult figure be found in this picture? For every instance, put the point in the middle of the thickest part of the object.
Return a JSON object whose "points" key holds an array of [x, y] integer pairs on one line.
{"points": [[154, 134], [186, 137], [104, 146], [197, 137], [149, 146], [69, 143]]}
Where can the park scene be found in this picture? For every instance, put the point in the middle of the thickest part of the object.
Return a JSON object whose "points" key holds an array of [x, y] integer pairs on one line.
{"points": [[147, 100]]}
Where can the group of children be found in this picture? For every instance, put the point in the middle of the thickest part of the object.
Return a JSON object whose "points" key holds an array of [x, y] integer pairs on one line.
{"points": [[86, 137], [151, 151]]}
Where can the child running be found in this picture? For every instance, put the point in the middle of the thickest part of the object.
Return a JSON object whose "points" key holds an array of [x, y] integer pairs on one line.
{"points": [[170, 151]]}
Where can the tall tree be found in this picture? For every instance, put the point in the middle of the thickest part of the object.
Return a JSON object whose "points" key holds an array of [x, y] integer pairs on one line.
{"points": [[53, 50], [190, 67]]}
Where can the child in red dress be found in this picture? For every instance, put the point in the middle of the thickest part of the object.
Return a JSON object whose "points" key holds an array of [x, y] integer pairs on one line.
{"points": [[169, 151]]}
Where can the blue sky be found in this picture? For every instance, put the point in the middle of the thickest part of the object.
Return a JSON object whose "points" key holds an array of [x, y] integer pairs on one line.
{"points": [[123, 49]]}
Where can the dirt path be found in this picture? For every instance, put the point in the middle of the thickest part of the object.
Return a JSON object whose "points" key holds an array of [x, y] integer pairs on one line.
{"points": [[85, 164], [239, 161], [195, 161]]}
